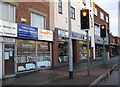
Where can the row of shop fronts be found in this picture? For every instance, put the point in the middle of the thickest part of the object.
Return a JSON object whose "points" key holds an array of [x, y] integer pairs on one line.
{"points": [[99, 46], [24, 48], [114, 45]]}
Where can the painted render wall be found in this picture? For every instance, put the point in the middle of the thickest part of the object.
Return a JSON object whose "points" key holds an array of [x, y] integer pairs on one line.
{"points": [[61, 20]]}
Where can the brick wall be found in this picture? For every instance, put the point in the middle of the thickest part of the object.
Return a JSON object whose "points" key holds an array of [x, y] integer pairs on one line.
{"points": [[97, 18], [23, 11]]}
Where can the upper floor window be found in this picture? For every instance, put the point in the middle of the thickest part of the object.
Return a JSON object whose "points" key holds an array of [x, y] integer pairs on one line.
{"points": [[101, 15], [96, 11], [60, 6], [107, 19], [72, 13], [8, 12], [97, 30], [37, 20]]}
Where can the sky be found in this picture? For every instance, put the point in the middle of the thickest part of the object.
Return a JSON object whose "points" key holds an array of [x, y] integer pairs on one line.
{"points": [[111, 7]]}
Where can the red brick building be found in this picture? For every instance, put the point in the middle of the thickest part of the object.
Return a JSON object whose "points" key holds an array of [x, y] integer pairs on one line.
{"points": [[28, 45], [24, 9], [114, 45], [100, 17]]}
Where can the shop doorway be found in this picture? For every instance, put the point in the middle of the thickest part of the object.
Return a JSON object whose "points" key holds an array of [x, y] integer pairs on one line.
{"points": [[9, 65]]}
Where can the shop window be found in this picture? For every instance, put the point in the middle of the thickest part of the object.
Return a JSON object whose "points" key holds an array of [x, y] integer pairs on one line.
{"points": [[60, 6], [43, 54], [8, 12], [63, 50], [83, 48], [26, 55], [38, 20]]}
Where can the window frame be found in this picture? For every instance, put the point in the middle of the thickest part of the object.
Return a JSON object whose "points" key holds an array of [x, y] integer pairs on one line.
{"points": [[32, 21], [107, 19], [60, 6], [9, 12], [72, 13], [102, 15], [97, 30], [95, 11]]}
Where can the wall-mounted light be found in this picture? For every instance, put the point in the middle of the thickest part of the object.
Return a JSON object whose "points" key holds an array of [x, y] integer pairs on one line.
{"points": [[23, 20]]}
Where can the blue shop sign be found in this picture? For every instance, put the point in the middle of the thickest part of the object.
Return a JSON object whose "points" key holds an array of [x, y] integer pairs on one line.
{"points": [[27, 32], [77, 36]]}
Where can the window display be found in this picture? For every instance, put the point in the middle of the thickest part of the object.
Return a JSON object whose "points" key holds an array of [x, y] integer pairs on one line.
{"points": [[43, 53], [63, 50], [26, 55], [83, 48]]}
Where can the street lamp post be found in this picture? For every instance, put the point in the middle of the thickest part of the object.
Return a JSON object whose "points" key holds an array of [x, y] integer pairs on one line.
{"points": [[70, 42]]}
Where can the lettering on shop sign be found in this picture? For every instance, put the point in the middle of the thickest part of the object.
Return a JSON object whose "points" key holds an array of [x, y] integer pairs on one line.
{"points": [[25, 59], [45, 35], [26, 45], [8, 29], [27, 32]]}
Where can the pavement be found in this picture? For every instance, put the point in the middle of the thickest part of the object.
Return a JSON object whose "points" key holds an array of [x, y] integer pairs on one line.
{"points": [[60, 76]]}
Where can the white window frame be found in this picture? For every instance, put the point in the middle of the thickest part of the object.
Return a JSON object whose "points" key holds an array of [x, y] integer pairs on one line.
{"points": [[101, 15], [32, 21], [14, 12], [97, 30], [95, 11], [107, 19]]}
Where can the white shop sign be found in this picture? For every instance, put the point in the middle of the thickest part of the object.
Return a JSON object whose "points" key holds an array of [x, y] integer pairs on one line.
{"points": [[8, 29], [45, 35], [63, 33]]}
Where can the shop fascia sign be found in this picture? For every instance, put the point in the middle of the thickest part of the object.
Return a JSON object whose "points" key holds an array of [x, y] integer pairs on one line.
{"points": [[27, 32], [63, 33], [8, 29], [46, 35], [77, 36]]}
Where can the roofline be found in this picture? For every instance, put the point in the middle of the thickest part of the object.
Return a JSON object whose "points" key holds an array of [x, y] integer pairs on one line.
{"points": [[100, 8]]}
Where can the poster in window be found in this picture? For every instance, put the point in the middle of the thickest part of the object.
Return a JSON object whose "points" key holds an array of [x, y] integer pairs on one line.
{"points": [[6, 55], [10, 53]]}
